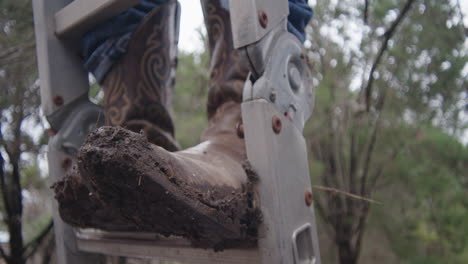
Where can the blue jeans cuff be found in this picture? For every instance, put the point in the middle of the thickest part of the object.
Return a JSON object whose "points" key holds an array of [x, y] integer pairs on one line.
{"points": [[107, 43]]}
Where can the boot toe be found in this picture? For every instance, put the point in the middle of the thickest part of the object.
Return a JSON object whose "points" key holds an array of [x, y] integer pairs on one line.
{"points": [[145, 184]]}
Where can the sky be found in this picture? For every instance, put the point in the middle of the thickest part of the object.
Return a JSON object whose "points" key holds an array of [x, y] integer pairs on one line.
{"points": [[191, 20]]}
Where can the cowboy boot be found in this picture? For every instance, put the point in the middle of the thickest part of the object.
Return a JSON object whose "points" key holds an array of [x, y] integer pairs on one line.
{"points": [[204, 193], [228, 70], [138, 90], [137, 96]]}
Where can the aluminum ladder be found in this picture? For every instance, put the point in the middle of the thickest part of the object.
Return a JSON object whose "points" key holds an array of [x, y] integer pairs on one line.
{"points": [[272, 126]]}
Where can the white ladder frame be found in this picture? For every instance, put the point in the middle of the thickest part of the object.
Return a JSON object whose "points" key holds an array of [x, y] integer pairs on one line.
{"points": [[58, 25]]}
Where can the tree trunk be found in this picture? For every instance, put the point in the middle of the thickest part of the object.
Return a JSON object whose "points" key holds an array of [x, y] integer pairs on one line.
{"points": [[16, 242], [346, 253], [49, 249], [15, 205]]}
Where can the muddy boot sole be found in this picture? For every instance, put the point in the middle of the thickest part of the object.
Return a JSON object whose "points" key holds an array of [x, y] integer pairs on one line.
{"points": [[143, 184]]}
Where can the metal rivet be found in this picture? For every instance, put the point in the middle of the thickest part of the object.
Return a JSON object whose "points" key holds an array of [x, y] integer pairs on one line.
{"points": [[273, 97], [58, 100], [276, 124], [263, 18], [309, 198], [240, 130], [50, 132]]}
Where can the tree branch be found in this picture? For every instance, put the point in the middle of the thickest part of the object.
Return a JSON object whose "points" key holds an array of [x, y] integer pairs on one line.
{"points": [[387, 36], [3, 143], [48, 251], [371, 146], [462, 18], [353, 160], [4, 255], [328, 220], [368, 159], [366, 11], [3, 186], [16, 51], [383, 166], [360, 229], [11, 186], [32, 246], [357, 197], [2, 252]]}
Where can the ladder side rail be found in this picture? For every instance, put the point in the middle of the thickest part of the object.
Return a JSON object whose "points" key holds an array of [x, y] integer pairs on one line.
{"points": [[62, 78], [251, 20], [288, 233], [64, 96], [67, 247], [277, 101]]}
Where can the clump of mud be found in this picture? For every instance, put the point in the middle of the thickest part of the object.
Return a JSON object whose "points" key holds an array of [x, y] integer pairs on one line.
{"points": [[120, 184]]}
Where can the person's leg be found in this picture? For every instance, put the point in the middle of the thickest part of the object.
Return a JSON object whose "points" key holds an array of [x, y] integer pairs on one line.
{"points": [[137, 96], [228, 71], [107, 43], [138, 91], [138, 88], [203, 193], [300, 14], [133, 56]]}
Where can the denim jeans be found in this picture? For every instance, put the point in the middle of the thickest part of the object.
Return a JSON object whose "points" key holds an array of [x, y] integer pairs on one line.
{"points": [[106, 43]]}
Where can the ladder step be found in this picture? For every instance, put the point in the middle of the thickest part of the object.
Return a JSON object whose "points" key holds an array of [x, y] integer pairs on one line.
{"points": [[150, 245], [79, 16]]}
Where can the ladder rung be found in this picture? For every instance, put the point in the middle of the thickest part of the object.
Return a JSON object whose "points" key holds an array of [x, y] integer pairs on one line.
{"points": [[148, 245], [81, 15]]}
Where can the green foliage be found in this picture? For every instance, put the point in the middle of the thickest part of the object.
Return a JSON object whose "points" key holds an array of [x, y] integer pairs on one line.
{"points": [[406, 149], [33, 227], [429, 58], [432, 227], [31, 177], [21, 139], [190, 97], [95, 93]]}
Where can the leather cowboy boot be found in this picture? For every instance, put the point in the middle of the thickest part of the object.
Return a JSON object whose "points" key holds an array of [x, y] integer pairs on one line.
{"points": [[139, 88], [204, 193], [137, 96], [228, 71]]}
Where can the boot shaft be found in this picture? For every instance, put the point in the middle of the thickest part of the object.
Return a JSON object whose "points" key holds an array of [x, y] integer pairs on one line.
{"points": [[139, 88], [228, 70]]}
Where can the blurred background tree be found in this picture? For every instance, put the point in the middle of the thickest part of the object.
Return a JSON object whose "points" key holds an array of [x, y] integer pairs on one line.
{"points": [[391, 92], [389, 124], [25, 215]]}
